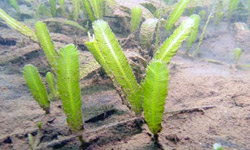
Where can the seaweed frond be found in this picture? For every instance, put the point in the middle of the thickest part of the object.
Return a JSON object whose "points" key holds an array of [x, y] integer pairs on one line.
{"points": [[15, 5], [36, 86], [22, 28], [50, 78], [237, 54], [176, 13], [155, 92], [76, 9], [233, 4], [136, 17], [46, 43], [67, 71], [194, 33], [118, 63], [147, 32], [202, 35], [173, 43], [52, 4]]}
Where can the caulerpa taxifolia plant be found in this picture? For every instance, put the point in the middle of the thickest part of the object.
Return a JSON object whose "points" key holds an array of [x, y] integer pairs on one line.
{"points": [[15, 5], [67, 71], [176, 13], [117, 63], [152, 92], [202, 14], [194, 33], [34, 141], [219, 12], [233, 4], [22, 28], [155, 90], [202, 35], [147, 32], [61, 3], [136, 17], [27, 31], [94, 9], [65, 64], [76, 9], [46, 43], [237, 55], [50, 78], [88, 10], [36, 86], [150, 28]]}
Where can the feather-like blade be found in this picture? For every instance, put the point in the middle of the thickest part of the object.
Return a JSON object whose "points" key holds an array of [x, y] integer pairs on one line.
{"points": [[155, 92], [173, 43], [194, 33], [61, 3], [233, 4], [88, 9], [97, 7], [50, 78], [136, 17], [22, 28], [118, 63], [46, 43], [176, 13], [68, 85], [76, 8], [15, 5], [36, 86], [96, 52], [147, 32], [52, 4]]}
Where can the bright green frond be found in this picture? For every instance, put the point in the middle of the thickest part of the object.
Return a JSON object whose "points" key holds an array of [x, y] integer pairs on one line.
{"points": [[150, 7], [233, 4], [237, 54], [76, 9], [96, 52], [46, 43], [118, 63], [61, 3], [68, 85], [194, 33], [52, 4], [50, 78], [36, 86], [147, 32], [98, 8], [176, 13], [15, 5], [219, 12], [155, 92], [22, 28], [88, 9], [173, 43], [42, 10], [202, 34], [136, 17]]}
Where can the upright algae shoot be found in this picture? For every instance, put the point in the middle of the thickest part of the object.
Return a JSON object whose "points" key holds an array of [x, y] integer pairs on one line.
{"points": [[36, 86]]}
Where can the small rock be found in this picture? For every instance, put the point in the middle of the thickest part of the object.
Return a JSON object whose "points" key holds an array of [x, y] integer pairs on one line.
{"points": [[8, 140], [173, 138]]}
